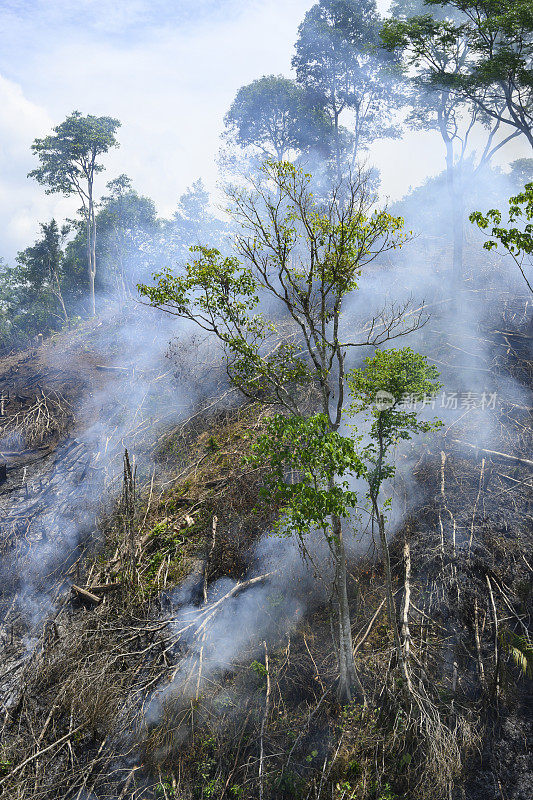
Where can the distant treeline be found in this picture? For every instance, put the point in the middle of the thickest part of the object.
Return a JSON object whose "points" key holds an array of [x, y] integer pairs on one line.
{"points": [[462, 69]]}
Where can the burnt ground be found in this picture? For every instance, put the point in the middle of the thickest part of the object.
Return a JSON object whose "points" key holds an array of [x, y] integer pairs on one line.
{"points": [[84, 683]]}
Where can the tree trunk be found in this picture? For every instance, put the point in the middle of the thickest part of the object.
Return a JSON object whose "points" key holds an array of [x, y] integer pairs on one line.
{"points": [[90, 274], [347, 676], [93, 245], [455, 192], [62, 303], [91, 249], [375, 487], [337, 145], [458, 232], [91, 293], [391, 605]]}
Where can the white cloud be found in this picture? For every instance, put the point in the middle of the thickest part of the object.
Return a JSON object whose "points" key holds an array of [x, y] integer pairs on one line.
{"points": [[22, 203], [169, 84]]}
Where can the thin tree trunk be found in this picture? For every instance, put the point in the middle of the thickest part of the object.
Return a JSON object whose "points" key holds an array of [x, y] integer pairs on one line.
{"points": [[477, 638], [91, 248], [263, 724], [406, 634], [391, 605], [455, 194], [93, 245], [458, 231], [337, 145], [347, 675], [90, 274], [59, 295]]}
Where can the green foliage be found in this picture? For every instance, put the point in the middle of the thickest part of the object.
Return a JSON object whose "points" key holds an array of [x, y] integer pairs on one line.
{"points": [[517, 239], [497, 74], [305, 461], [430, 46], [273, 113], [391, 376], [68, 157], [165, 789], [5, 766], [303, 259], [520, 650], [258, 668], [217, 291], [521, 172], [192, 222], [32, 291], [68, 165], [386, 793], [341, 64], [307, 259], [127, 230]]}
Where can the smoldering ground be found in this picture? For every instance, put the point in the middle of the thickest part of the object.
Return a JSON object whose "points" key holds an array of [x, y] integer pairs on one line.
{"points": [[52, 517], [471, 400]]}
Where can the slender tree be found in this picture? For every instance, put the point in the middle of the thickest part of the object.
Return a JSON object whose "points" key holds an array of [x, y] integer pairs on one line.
{"points": [[305, 260], [380, 390], [341, 63], [68, 165]]}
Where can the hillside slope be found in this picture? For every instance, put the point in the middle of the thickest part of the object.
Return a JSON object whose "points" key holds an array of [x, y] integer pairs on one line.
{"points": [[159, 643]]}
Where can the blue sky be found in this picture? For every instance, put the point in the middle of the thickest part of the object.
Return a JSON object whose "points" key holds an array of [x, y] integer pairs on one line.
{"points": [[169, 71]]}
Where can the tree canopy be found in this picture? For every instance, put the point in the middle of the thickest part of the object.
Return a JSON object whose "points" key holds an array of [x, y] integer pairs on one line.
{"points": [[342, 65], [498, 74], [274, 114]]}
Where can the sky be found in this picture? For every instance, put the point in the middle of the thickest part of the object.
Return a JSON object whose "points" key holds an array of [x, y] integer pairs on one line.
{"points": [[169, 70]]}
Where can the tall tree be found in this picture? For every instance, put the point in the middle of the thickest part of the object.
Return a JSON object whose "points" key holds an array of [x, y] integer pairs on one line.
{"points": [[498, 76], [273, 114], [342, 65], [68, 165], [434, 47], [304, 260]]}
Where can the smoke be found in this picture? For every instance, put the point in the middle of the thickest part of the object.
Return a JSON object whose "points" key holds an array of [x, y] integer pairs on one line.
{"points": [[52, 508], [459, 337], [139, 396]]}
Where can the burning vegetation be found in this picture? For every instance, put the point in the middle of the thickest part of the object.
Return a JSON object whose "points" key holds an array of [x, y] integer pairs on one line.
{"points": [[265, 484]]}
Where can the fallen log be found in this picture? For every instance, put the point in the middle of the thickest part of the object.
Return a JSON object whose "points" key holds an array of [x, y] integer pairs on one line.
{"points": [[85, 596], [494, 453]]}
